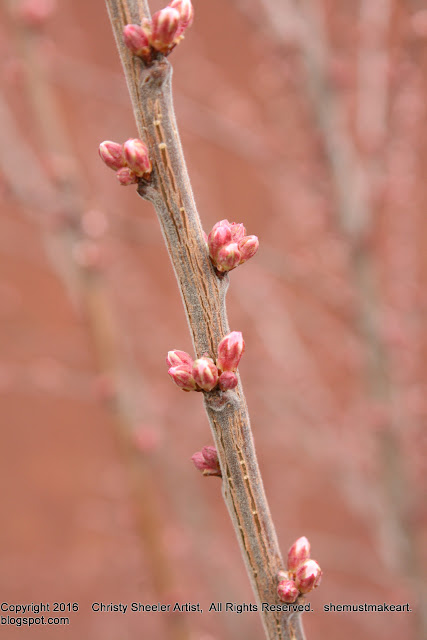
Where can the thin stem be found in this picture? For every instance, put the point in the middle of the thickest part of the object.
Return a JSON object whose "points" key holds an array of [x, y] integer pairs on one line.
{"points": [[203, 294]]}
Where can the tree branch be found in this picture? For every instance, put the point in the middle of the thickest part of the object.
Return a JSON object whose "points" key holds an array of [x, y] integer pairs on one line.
{"points": [[203, 293]]}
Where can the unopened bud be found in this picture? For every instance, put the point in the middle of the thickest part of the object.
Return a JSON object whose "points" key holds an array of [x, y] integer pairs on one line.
{"points": [[308, 576], [228, 257], [287, 591], [176, 357], [238, 231], [185, 10], [210, 454], [248, 246], [205, 373], [230, 350], [126, 176], [136, 39], [112, 154], [227, 381], [217, 239], [136, 154], [206, 461], [298, 553], [182, 377], [164, 24]]}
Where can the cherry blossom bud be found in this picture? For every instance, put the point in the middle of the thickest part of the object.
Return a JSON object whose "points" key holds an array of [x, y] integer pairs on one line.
{"points": [[308, 576], [136, 40], [112, 154], [218, 238], [298, 553], [227, 381], [238, 231], [228, 257], [185, 10], [182, 377], [287, 591], [248, 246], [230, 350], [136, 154], [164, 24], [205, 373], [282, 576], [126, 176], [176, 357], [206, 461]]}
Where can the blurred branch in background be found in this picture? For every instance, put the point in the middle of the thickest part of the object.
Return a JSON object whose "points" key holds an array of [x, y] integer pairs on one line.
{"points": [[358, 169]]}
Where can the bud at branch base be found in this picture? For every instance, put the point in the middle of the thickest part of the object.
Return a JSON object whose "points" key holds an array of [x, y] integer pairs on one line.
{"points": [[228, 257], [227, 381], [308, 576], [164, 27], [182, 377], [230, 350], [248, 246], [136, 39], [287, 591], [176, 357], [206, 461], [210, 454], [112, 154], [186, 12], [126, 176], [298, 553], [218, 238], [238, 231], [205, 373], [136, 155]]}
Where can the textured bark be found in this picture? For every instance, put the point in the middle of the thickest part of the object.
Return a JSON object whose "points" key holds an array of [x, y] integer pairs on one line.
{"points": [[203, 293]]}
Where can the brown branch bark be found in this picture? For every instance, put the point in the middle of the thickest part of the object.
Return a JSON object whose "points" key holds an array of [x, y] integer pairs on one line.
{"points": [[203, 294]]}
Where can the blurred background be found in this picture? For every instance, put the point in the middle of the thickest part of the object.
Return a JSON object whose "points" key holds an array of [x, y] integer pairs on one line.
{"points": [[306, 121]]}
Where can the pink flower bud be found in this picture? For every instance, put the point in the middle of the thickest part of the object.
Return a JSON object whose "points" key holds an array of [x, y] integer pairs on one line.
{"points": [[205, 373], [228, 257], [185, 10], [221, 223], [126, 176], [206, 460], [112, 154], [182, 377], [164, 24], [199, 461], [136, 39], [230, 350], [217, 239], [210, 454], [227, 381], [308, 576], [287, 591], [175, 358], [238, 231], [248, 246], [298, 553], [136, 154]]}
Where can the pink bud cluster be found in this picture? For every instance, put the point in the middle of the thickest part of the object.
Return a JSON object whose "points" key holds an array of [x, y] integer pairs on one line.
{"points": [[130, 160], [207, 462], [303, 574], [160, 34], [204, 374], [229, 245]]}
